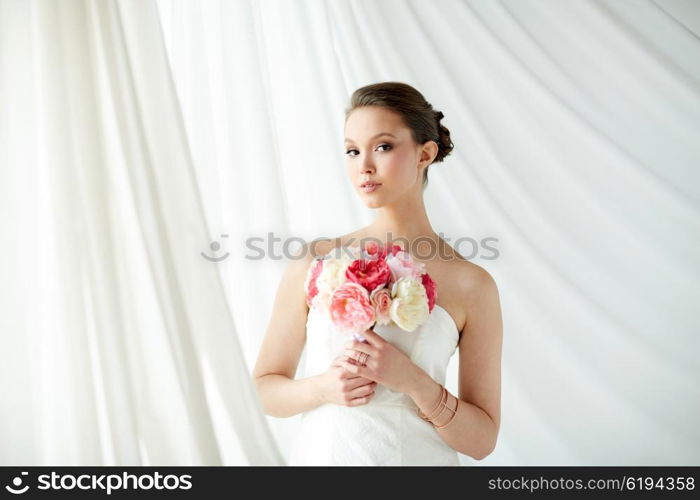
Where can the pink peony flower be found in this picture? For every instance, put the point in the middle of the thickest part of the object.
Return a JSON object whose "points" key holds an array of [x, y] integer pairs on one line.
{"points": [[370, 274], [430, 290], [371, 250], [402, 265], [395, 249], [378, 251], [350, 309], [381, 301], [310, 285]]}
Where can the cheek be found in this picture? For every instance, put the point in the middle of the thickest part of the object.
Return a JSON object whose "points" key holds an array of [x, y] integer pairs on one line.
{"points": [[398, 167]]}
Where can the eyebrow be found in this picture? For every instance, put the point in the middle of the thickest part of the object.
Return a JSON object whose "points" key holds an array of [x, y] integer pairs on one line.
{"points": [[347, 139]]}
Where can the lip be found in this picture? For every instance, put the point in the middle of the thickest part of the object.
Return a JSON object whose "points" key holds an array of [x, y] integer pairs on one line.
{"points": [[369, 187]]}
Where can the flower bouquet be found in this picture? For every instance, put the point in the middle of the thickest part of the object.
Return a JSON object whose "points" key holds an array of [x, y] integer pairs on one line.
{"points": [[374, 285]]}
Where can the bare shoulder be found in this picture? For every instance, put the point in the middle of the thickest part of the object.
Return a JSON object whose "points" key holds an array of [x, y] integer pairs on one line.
{"points": [[475, 282], [468, 285], [298, 263], [468, 278], [481, 306]]}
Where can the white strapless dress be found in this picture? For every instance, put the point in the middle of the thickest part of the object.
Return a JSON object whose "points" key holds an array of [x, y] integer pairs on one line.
{"points": [[387, 430]]}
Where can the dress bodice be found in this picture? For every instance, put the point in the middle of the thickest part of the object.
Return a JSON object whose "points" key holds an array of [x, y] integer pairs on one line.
{"points": [[387, 430]]}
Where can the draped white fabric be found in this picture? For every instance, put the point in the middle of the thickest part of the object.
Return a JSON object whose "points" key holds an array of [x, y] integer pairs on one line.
{"points": [[575, 127], [118, 345]]}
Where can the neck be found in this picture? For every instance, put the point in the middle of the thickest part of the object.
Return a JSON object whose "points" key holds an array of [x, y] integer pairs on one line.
{"points": [[404, 222]]}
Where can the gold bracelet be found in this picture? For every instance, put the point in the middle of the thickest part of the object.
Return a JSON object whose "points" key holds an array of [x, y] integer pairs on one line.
{"points": [[442, 408], [440, 403], [454, 414]]}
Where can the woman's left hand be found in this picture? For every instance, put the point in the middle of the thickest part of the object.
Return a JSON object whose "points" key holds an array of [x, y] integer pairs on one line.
{"points": [[386, 364]]}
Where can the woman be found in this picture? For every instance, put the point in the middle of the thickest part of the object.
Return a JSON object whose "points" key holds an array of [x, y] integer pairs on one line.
{"points": [[384, 402]]}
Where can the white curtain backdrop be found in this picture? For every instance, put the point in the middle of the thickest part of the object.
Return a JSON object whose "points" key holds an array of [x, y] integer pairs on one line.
{"points": [[118, 345], [137, 135]]}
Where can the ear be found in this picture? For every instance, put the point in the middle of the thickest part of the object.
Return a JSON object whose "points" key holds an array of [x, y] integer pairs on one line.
{"points": [[428, 152]]}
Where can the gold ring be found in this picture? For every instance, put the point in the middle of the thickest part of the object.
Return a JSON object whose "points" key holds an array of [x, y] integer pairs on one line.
{"points": [[362, 358]]}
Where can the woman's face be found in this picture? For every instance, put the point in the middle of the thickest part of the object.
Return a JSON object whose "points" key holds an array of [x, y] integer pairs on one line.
{"points": [[392, 159]]}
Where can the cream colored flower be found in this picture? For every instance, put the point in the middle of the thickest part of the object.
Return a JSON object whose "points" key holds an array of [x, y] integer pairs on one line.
{"points": [[322, 300], [409, 307], [332, 276]]}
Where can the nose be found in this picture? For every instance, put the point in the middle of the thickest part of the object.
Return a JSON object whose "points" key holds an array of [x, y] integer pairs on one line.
{"points": [[367, 165]]}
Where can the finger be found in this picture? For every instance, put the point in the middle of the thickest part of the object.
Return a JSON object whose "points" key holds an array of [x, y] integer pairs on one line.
{"points": [[373, 337], [353, 360], [360, 401], [353, 368], [356, 380], [364, 374], [361, 382], [346, 375], [355, 345], [363, 390], [356, 356]]}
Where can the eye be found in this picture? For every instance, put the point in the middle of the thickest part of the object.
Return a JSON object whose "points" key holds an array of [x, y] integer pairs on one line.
{"points": [[381, 145]]}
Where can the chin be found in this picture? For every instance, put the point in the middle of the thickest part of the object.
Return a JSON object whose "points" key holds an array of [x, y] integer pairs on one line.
{"points": [[373, 204], [372, 200]]}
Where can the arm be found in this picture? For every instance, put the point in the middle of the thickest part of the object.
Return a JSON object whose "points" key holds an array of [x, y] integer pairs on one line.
{"points": [[474, 430], [280, 394]]}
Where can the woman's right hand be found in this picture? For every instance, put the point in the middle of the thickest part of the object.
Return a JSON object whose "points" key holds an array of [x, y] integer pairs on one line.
{"points": [[339, 386]]}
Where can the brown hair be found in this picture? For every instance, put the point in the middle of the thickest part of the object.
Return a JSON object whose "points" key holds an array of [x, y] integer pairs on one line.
{"points": [[417, 113]]}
